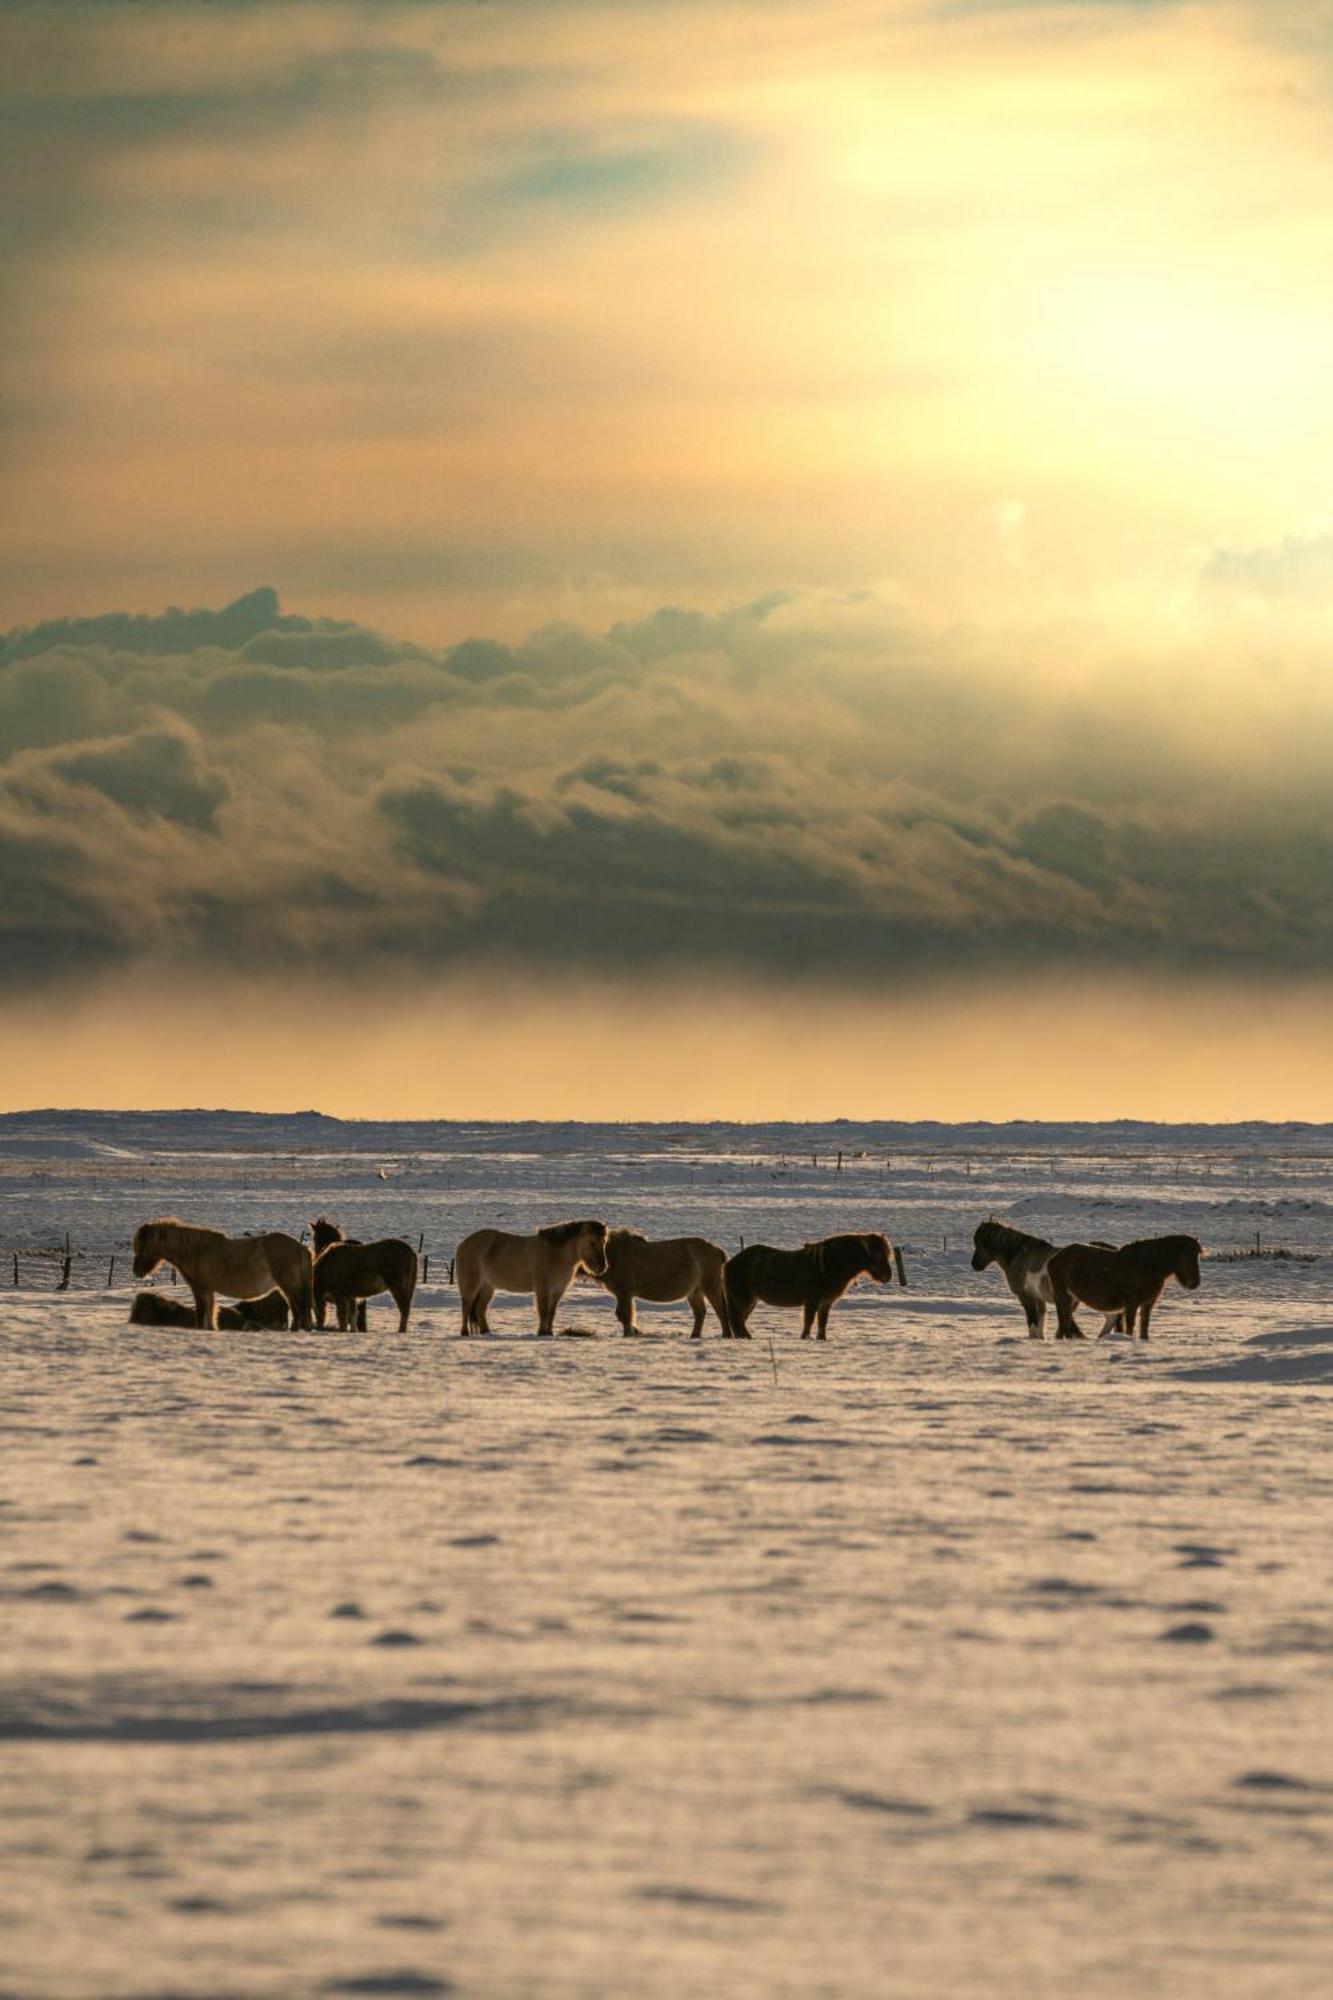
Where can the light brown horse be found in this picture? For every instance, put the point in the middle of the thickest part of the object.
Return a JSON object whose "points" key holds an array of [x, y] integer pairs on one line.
{"points": [[1129, 1280], [238, 1267], [493, 1260], [676, 1267], [813, 1277], [350, 1273]]}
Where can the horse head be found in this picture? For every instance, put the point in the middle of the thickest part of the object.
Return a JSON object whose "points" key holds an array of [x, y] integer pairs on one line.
{"points": [[323, 1232], [147, 1254], [1186, 1266], [593, 1240], [983, 1252], [879, 1257]]}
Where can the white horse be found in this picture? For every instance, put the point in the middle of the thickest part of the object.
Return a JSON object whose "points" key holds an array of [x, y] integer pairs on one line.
{"points": [[492, 1260]]}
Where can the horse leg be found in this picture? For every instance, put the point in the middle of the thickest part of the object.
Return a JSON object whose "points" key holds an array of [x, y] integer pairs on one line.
{"points": [[546, 1304], [717, 1299], [1035, 1310], [1068, 1327], [739, 1307], [469, 1315], [204, 1306], [402, 1298], [301, 1302], [361, 1316], [807, 1318], [697, 1308], [625, 1313], [824, 1312]]}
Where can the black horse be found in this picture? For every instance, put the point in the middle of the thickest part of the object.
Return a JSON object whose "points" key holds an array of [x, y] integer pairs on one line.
{"points": [[813, 1278]]}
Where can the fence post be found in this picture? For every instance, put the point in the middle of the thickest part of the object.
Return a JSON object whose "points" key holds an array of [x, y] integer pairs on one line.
{"points": [[63, 1286], [16, 1270], [425, 1269], [110, 1273]]}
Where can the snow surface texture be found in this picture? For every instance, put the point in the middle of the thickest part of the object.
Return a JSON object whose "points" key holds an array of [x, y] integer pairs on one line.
{"points": [[930, 1662]]}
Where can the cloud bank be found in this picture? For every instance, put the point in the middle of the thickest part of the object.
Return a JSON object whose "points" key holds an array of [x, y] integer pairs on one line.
{"points": [[807, 790]]}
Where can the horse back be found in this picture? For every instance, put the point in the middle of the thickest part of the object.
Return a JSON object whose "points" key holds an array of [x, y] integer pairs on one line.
{"points": [[670, 1268], [778, 1277], [1102, 1278]]}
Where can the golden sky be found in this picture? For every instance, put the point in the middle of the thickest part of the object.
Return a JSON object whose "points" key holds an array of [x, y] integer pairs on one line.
{"points": [[884, 448]]}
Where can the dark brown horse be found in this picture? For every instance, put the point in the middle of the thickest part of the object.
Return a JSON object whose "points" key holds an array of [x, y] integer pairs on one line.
{"points": [[347, 1274], [1129, 1280], [322, 1233], [813, 1278], [158, 1309]]}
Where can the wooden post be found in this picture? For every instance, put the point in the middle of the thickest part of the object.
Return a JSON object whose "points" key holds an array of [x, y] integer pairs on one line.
{"points": [[839, 1167], [451, 1270], [425, 1270], [110, 1273], [63, 1286], [16, 1270], [944, 1242], [421, 1240]]}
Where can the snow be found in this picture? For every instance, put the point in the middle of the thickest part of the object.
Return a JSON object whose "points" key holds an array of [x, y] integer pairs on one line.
{"points": [[930, 1660]]}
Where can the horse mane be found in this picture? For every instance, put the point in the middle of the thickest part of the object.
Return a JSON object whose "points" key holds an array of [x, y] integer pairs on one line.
{"points": [[564, 1232], [999, 1238], [168, 1229], [637, 1234]]}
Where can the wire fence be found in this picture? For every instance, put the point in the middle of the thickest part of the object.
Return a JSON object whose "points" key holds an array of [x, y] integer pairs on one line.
{"points": [[63, 1267]]}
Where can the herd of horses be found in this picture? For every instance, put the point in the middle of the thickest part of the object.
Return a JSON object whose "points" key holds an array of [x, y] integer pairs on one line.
{"points": [[279, 1281]]}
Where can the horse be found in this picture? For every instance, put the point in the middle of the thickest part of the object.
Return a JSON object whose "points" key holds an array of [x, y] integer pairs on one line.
{"points": [[1129, 1280], [156, 1309], [350, 1273], [322, 1233], [677, 1267], [814, 1277], [1024, 1259], [239, 1267], [492, 1260]]}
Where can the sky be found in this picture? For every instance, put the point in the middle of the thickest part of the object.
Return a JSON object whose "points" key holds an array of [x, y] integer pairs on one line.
{"points": [[723, 558]]}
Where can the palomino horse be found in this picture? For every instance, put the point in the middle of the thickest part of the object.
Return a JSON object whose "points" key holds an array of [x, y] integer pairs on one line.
{"points": [[1024, 1259], [350, 1273], [491, 1261], [677, 1267], [1129, 1280], [813, 1278], [238, 1267]]}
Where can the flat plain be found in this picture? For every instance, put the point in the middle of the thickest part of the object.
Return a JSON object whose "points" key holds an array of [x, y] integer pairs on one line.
{"points": [[929, 1660]]}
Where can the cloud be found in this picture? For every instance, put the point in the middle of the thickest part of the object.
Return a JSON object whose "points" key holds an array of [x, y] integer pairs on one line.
{"points": [[802, 788], [1298, 568]]}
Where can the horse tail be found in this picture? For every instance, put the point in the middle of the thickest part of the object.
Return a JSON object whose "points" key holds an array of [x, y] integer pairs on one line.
{"points": [[733, 1326]]}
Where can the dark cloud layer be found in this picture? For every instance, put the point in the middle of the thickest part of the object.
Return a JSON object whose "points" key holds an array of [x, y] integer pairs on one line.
{"points": [[794, 789]]}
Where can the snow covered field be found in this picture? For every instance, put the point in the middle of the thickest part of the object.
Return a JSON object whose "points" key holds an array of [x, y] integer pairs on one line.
{"points": [[932, 1662]]}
